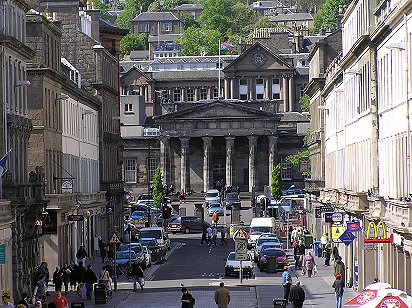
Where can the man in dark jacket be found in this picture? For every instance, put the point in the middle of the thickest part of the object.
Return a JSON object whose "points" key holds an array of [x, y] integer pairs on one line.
{"points": [[298, 253], [338, 284], [138, 275], [339, 267], [204, 235], [89, 278], [81, 254], [297, 295]]}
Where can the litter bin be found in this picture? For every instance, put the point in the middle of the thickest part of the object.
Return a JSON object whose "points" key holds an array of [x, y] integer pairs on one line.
{"points": [[77, 305], [316, 248], [100, 293], [308, 240], [271, 265], [279, 303]]}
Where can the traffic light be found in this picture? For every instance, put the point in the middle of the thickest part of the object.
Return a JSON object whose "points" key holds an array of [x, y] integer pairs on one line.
{"points": [[166, 211]]}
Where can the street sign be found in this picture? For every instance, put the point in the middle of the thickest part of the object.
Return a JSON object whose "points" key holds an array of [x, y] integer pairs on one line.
{"points": [[323, 209], [115, 239], [2, 254], [75, 218], [353, 226], [347, 237], [240, 235], [241, 251], [336, 232], [327, 217], [337, 217]]}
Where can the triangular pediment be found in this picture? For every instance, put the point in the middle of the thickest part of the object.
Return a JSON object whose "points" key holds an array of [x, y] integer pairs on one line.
{"points": [[133, 74], [258, 57]]}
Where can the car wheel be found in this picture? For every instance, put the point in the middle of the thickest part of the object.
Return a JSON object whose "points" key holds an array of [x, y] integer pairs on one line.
{"points": [[187, 230]]}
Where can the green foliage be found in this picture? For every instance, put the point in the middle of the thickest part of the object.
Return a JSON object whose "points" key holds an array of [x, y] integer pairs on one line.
{"points": [[158, 188], [124, 19], [276, 185], [189, 21], [217, 14], [243, 18], [102, 7], [194, 40], [304, 103], [302, 155], [326, 17], [154, 7], [132, 42], [263, 22]]}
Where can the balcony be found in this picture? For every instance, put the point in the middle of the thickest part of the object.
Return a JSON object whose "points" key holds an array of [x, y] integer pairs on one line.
{"points": [[398, 213], [5, 211], [66, 201]]}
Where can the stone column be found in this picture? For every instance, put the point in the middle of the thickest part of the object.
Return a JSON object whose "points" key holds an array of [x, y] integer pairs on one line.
{"points": [[196, 94], [226, 88], [230, 142], [291, 93], [232, 88], [266, 83], [252, 157], [285, 93], [207, 161], [209, 93], [273, 151], [184, 178], [183, 95], [164, 161], [251, 84]]}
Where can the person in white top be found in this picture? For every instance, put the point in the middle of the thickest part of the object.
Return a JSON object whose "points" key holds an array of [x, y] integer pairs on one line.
{"points": [[324, 239]]}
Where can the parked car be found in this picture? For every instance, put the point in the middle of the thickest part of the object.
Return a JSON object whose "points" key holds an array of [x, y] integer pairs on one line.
{"points": [[145, 197], [141, 253], [160, 221], [157, 252], [187, 224], [265, 245], [157, 233], [124, 259], [212, 195], [231, 198], [215, 207], [232, 266], [259, 243], [137, 215], [278, 253]]}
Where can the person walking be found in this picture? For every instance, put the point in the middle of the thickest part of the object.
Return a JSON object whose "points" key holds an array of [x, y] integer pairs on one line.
{"points": [[187, 299], [339, 267], [72, 278], [39, 293], [60, 300], [223, 235], [328, 252], [209, 235], [89, 278], [297, 295], [222, 296], [286, 283], [57, 279], [138, 275], [215, 218], [65, 274], [214, 235], [81, 255], [324, 239], [204, 235], [338, 284], [44, 270], [78, 275], [298, 253], [309, 263], [102, 248]]}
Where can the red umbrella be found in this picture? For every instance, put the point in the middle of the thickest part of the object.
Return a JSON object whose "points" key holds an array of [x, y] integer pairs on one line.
{"points": [[362, 298]]}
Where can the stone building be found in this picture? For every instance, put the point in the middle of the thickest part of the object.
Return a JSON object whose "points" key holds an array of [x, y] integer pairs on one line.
{"points": [[156, 23]]}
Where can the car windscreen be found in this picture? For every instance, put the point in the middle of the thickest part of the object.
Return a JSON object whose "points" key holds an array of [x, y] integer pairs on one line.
{"points": [[264, 240], [273, 252], [148, 242], [271, 245], [151, 234], [136, 248], [177, 220], [211, 195], [139, 213], [260, 229], [215, 206], [125, 255], [231, 197]]}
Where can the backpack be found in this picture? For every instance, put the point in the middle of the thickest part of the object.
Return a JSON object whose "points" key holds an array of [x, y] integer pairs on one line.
{"points": [[192, 300]]}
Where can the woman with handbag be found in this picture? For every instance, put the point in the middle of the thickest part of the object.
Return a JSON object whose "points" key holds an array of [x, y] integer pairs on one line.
{"points": [[309, 263]]}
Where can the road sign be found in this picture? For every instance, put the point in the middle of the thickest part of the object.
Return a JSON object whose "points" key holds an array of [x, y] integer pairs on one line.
{"points": [[337, 231], [75, 218], [115, 239], [240, 235], [241, 251], [347, 237], [353, 226]]}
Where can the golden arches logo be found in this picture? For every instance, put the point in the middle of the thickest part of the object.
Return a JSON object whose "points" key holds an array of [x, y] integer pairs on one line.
{"points": [[372, 231]]}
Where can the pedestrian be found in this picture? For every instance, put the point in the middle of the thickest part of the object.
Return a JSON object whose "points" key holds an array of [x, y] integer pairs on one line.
{"points": [[138, 275], [24, 300], [65, 273], [222, 296], [209, 235], [57, 279], [335, 253], [187, 299], [60, 300], [204, 235], [286, 283], [214, 235], [81, 255], [215, 218], [78, 275], [104, 276], [339, 267], [183, 194], [309, 263], [5, 300], [298, 253], [102, 248], [44, 270], [39, 293], [375, 280], [38, 304], [290, 231], [324, 239], [328, 251], [338, 284], [89, 278], [72, 279], [223, 235], [297, 295]]}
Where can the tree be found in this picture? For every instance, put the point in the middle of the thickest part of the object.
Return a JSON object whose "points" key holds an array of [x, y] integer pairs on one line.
{"points": [[132, 42], [304, 103], [158, 188], [217, 15], [124, 19], [195, 40], [263, 22], [102, 7], [189, 21], [243, 18], [327, 17], [276, 185], [304, 155]]}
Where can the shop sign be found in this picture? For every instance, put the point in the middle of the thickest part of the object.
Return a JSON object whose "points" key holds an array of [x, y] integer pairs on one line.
{"points": [[396, 239], [2, 254], [327, 217], [49, 225], [353, 226], [323, 209], [347, 238], [376, 233], [337, 218]]}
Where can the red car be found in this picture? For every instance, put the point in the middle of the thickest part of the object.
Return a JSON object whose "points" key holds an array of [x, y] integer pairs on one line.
{"points": [[278, 253]]}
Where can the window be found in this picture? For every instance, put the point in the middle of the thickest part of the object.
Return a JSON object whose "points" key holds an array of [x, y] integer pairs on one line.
{"points": [[190, 95], [167, 27], [144, 27], [215, 93], [243, 89], [151, 131], [301, 90], [153, 163], [130, 175], [203, 93], [260, 88], [276, 88], [176, 95], [285, 169], [128, 108]]}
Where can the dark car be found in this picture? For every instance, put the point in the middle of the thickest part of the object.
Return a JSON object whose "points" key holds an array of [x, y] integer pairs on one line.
{"points": [[137, 248], [278, 253], [187, 224], [231, 198], [158, 252]]}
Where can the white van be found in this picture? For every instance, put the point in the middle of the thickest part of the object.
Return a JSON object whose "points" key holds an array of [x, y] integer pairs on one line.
{"points": [[258, 226], [158, 233]]}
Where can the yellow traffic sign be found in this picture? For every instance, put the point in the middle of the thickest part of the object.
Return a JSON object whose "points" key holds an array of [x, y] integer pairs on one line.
{"points": [[337, 231], [115, 239], [240, 235]]}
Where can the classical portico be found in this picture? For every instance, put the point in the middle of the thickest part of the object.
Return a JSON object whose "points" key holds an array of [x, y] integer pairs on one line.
{"points": [[232, 143]]}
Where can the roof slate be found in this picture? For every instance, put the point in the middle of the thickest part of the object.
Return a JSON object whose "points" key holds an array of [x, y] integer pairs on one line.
{"points": [[155, 16]]}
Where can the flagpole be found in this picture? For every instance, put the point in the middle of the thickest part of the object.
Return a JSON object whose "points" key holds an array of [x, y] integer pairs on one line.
{"points": [[220, 94]]}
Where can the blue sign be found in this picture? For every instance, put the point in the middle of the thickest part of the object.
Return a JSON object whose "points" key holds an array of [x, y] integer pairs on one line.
{"points": [[353, 226], [347, 238], [2, 254]]}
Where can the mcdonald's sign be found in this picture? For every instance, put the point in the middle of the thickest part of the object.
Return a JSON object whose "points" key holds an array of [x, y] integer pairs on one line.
{"points": [[376, 233]]}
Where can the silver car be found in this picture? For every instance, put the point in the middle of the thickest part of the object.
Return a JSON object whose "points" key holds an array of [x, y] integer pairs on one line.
{"points": [[215, 207]]}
